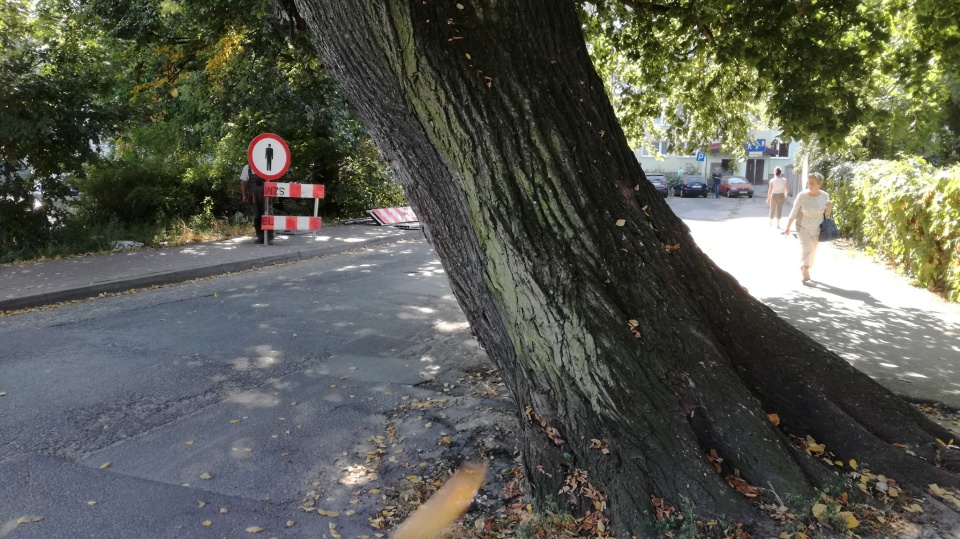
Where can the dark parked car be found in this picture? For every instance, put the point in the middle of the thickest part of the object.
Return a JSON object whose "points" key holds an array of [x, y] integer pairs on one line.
{"points": [[688, 186], [734, 186], [659, 182]]}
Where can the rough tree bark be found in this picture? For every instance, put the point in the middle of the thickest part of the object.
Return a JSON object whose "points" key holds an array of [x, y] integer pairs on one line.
{"points": [[494, 120]]}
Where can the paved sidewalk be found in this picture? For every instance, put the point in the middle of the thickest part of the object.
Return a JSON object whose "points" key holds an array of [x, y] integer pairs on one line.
{"points": [[44, 283], [904, 337]]}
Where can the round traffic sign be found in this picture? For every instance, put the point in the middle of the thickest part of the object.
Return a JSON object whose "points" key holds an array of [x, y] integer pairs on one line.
{"points": [[269, 156]]}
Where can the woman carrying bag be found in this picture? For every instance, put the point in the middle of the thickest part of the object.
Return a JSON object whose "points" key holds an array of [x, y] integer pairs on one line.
{"points": [[809, 210]]}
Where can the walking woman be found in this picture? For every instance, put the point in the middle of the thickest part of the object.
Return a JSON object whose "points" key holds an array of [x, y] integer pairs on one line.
{"points": [[809, 209], [776, 195]]}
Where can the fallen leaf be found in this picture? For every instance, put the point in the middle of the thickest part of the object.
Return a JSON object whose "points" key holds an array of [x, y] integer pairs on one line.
{"points": [[29, 519], [205, 475], [207, 523], [621, 222], [775, 419], [445, 506], [201, 504], [189, 442], [105, 465], [331, 514], [234, 421], [850, 520], [818, 510], [853, 464], [913, 508], [291, 523], [743, 487], [224, 510], [254, 529]]}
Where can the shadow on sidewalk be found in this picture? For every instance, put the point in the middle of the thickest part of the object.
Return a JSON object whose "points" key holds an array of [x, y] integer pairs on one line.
{"points": [[911, 351]]}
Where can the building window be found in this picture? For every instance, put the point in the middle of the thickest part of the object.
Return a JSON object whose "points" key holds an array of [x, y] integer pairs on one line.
{"points": [[661, 147], [784, 150]]}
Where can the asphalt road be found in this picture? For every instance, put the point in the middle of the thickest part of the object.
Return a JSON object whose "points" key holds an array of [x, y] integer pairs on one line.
{"points": [[242, 392], [149, 414]]}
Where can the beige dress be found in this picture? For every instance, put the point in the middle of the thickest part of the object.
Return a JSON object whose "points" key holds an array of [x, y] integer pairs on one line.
{"points": [[808, 212]]}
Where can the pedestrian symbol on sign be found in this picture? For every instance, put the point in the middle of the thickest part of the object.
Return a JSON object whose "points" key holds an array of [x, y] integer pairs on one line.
{"points": [[269, 156]]}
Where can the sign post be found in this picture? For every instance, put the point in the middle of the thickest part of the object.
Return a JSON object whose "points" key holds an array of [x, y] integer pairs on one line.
{"points": [[269, 158]]}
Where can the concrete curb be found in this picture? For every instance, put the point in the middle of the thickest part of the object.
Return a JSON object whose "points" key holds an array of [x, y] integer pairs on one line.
{"points": [[188, 274]]}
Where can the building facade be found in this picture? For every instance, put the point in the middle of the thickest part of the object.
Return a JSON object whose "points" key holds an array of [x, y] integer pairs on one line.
{"points": [[762, 155]]}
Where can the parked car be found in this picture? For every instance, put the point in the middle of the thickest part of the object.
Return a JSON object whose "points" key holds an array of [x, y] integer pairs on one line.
{"points": [[691, 186], [734, 186], [659, 182]]}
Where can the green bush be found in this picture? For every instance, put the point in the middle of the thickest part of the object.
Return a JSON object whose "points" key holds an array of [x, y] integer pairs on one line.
{"points": [[135, 191], [907, 212], [363, 184]]}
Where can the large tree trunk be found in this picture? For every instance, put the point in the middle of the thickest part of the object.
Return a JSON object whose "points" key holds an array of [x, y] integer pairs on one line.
{"points": [[606, 320]]}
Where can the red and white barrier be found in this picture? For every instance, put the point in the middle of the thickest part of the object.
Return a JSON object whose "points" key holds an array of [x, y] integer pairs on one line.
{"points": [[281, 222], [293, 190], [394, 216]]}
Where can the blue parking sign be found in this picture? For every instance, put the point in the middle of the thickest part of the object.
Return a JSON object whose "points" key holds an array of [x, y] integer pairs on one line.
{"points": [[701, 156]]}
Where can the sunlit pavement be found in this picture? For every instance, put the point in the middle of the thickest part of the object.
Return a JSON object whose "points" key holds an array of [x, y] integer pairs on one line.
{"points": [[905, 337]]}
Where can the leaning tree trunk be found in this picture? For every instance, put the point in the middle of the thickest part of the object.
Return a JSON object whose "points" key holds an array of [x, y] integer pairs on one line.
{"points": [[629, 353]]}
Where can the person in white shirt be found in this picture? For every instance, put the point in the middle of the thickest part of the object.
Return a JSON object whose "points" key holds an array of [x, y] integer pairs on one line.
{"points": [[809, 209], [777, 194]]}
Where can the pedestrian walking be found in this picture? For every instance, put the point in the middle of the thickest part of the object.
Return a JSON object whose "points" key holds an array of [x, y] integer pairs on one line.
{"points": [[251, 190], [777, 195], [809, 210], [717, 180]]}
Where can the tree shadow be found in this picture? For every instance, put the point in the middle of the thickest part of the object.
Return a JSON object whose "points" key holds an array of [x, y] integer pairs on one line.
{"points": [[914, 352]]}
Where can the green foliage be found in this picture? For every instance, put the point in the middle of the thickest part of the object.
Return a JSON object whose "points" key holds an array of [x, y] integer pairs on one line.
{"points": [[171, 93], [887, 70], [52, 73], [134, 191], [363, 183], [905, 211], [206, 77]]}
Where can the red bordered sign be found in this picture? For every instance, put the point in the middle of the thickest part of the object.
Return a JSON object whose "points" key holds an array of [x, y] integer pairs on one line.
{"points": [[268, 156]]}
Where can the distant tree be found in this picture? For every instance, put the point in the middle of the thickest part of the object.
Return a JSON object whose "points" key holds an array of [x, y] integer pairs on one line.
{"points": [[52, 76], [205, 78], [882, 72]]}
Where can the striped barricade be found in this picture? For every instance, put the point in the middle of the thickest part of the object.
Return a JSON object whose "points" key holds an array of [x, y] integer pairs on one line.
{"points": [[292, 190], [393, 216], [281, 222]]}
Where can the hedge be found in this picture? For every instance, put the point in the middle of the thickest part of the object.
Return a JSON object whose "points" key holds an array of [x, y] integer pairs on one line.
{"points": [[906, 212]]}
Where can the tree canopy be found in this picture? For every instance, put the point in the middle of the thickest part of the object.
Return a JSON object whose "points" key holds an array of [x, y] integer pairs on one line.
{"points": [[883, 72]]}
